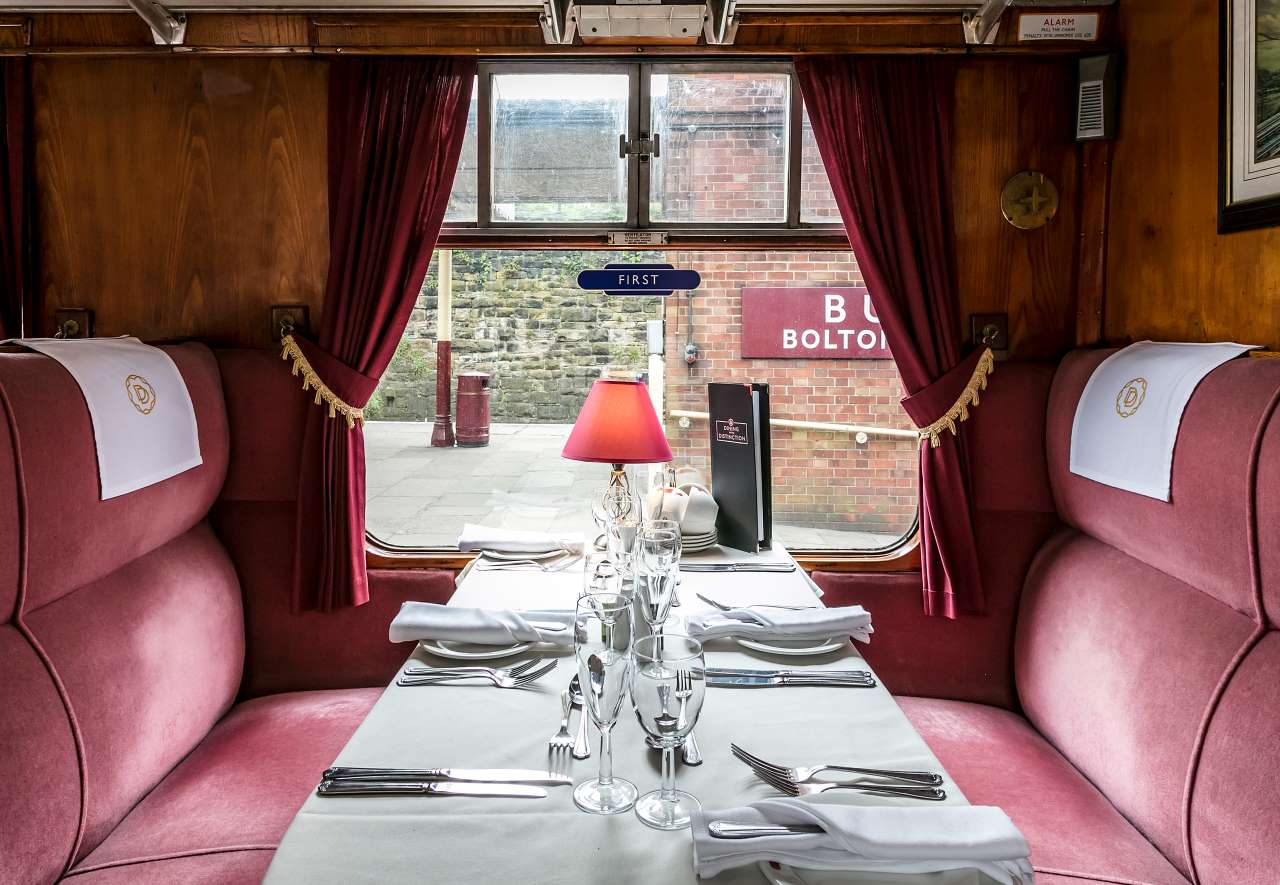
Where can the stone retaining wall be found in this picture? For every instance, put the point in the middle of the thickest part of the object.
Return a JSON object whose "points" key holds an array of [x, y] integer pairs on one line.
{"points": [[525, 322]]}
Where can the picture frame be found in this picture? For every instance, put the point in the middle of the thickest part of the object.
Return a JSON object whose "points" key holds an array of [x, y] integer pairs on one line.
{"points": [[1249, 87]]}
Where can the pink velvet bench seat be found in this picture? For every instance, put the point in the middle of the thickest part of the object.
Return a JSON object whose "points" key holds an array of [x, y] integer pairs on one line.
{"points": [[997, 758], [150, 719], [236, 793]]}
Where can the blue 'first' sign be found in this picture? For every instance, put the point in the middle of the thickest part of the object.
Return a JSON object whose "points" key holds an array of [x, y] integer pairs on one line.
{"points": [[639, 279]]}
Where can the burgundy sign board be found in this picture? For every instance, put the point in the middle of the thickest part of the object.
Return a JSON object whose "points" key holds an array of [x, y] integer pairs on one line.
{"points": [[827, 323]]}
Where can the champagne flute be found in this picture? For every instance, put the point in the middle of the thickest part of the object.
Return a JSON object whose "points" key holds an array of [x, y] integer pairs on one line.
{"points": [[602, 645], [658, 549], [672, 526], [667, 690]]}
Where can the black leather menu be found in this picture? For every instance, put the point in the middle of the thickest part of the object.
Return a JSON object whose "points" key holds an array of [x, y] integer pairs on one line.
{"points": [[740, 480]]}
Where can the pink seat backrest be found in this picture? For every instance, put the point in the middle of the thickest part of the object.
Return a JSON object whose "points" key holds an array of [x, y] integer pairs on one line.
{"points": [[1141, 625], [121, 633]]}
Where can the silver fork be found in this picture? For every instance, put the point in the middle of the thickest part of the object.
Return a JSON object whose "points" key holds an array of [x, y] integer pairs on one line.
{"points": [[561, 743], [500, 680], [800, 774], [728, 608], [513, 565], [903, 791], [690, 754], [510, 670]]}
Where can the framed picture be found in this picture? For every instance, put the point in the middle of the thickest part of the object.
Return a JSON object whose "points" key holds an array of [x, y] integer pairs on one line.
{"points": [[1249, 178]]}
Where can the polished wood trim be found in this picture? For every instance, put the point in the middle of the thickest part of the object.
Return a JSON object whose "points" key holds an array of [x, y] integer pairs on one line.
{"points": [[903, 558], [1095, 207], [380, 558], [515, 33]]}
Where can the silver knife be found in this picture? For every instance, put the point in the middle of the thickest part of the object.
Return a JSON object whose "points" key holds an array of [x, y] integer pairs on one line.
{"points": [[736, 567], [426, 788], [767, 681], [833, 674], [727, 829], [481, 775]]}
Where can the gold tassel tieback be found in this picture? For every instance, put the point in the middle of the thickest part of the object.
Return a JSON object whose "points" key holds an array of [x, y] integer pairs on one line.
{"points": [[960, 410], [291, 351]]}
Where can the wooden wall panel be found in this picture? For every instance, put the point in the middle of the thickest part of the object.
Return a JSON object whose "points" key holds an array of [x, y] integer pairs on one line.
{"points": [[1014, 115], [181, 197], [1171, 276]]}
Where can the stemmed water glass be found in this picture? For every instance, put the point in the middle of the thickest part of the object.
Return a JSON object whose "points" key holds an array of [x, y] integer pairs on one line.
{"points": [[602, 638], [667, 689], [623, 532], [600, 575], [659, 548]]}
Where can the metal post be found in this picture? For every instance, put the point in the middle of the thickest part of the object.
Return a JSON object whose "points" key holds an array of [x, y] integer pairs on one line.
{"points": [[442, 432]]}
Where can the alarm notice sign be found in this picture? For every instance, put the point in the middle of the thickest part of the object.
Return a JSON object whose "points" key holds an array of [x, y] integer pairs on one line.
{"points": [[827, 323], [1061, 26]]}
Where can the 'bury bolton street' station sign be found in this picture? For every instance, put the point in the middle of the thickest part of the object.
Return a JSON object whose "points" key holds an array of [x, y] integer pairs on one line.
{"points": [[828, 323]]}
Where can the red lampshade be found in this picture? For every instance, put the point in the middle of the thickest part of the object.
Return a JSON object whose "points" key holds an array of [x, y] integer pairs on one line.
{"points": [[617, 425]]}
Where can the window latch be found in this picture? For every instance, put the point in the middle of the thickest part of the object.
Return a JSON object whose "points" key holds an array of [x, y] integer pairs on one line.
{"points": [[644, 147]]}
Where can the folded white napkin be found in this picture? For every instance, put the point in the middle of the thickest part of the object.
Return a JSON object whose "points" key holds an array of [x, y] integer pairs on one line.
{"points": [[483, 537], [778, 623], [701, 511], [426, 620], [666, 504], [883, 839]]}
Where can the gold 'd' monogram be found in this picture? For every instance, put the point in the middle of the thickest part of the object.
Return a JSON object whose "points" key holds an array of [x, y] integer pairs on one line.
{"points": [[141, 393], [1130, 397]]}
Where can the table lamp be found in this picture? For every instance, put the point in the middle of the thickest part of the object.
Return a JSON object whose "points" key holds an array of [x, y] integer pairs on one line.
{"points": [[617, 425]]}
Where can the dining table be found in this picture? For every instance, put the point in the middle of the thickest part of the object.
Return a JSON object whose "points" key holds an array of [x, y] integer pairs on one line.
{"points": [[346, 840]]}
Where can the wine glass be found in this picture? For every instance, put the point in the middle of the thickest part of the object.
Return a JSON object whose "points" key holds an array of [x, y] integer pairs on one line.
{"points": [[667, 689], [600, 575], [602, 645], [672, 526], [658, 550]]}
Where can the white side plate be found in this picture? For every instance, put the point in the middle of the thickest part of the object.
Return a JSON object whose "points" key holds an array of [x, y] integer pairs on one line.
{"points": [[794, 647], [466, 651]]}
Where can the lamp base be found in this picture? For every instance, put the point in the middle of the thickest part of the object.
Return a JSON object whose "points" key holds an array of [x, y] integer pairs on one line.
{"points": [[618, 500]]}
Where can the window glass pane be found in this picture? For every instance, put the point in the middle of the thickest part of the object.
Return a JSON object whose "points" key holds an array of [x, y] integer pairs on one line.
{"points": [[723, 147], [519, 316], [555, 147], [817, 202], [462, 199]]}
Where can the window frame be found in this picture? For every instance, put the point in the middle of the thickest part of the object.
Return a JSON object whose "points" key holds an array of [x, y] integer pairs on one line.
{"points": [[485, 232]]}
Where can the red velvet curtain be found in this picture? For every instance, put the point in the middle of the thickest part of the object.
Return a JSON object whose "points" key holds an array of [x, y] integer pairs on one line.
{"points": [[395, 132], [883, 127], [17, 315]]}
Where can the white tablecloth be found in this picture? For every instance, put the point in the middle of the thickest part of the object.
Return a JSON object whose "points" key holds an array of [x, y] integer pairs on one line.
{"points": [[549, 841]]}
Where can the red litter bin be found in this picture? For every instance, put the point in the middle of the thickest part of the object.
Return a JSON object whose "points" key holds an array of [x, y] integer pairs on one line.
{"points": [[472, 423]]}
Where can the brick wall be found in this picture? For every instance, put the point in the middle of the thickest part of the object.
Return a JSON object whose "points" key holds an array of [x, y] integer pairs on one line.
{"points": [[821, 479]]}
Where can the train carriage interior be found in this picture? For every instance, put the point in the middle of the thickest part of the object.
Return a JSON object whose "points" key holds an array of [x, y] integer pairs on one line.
{"points": [[807, 442]]}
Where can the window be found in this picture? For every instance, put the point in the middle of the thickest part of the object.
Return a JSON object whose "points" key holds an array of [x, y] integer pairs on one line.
{"points": [[723, 147], [688, 149], [518, 316], [555, 147]]}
